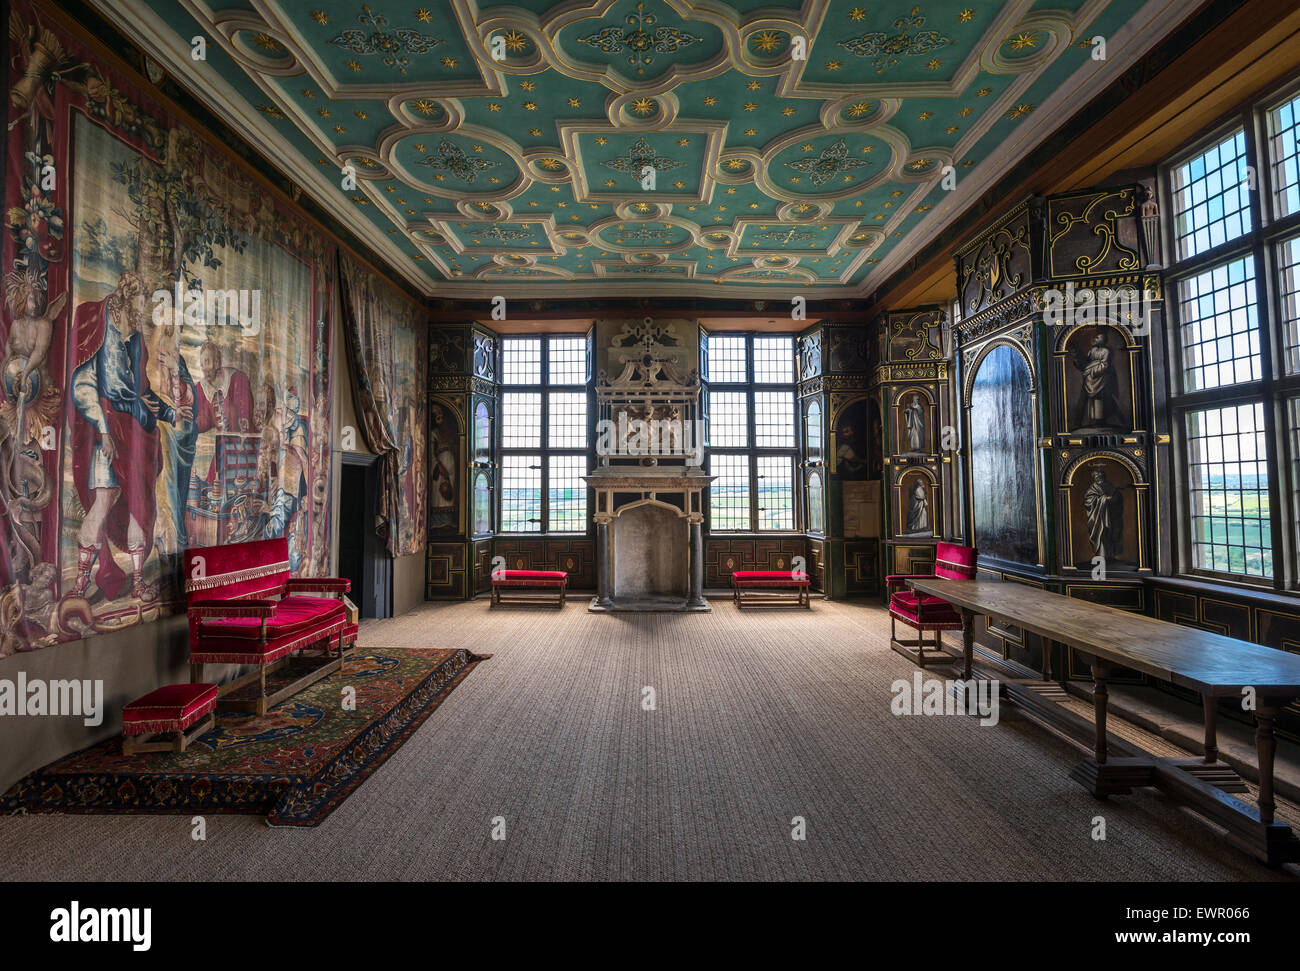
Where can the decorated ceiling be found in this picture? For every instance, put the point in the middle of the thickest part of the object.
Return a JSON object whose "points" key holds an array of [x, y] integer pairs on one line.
{"points": [[641, 146]]}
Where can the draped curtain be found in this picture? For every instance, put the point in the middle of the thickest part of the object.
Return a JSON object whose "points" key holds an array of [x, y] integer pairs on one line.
{"points": [[387, 345]]}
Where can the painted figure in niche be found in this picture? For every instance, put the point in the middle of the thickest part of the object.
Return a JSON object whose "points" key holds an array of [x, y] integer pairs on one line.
{"points": [[1099, 403], [875, 441], [1104, 507], [851, 449], [914, 422], [918, 508], [31, 401], [443, 440], [116, 452]]}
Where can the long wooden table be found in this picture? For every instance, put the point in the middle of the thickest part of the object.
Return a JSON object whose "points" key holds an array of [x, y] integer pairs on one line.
{"points": [[1211, 664]]}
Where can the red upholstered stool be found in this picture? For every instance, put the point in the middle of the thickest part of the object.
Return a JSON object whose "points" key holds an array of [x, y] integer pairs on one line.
{"points": [[183, 711], [539, 586], [772, 583]]}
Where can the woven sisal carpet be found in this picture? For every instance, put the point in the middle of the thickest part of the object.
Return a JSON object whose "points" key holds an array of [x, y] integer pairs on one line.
{"points": [[758, 718]]}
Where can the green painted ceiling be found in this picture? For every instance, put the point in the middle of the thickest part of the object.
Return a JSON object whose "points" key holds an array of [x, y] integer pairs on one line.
{"points": [[527, 174]]}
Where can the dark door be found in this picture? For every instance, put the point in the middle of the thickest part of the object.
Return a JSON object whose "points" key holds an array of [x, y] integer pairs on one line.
{"points": [[362, 556]]}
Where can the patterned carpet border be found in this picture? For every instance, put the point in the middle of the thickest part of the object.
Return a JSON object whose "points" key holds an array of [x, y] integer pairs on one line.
{"points": [[288, 798]]}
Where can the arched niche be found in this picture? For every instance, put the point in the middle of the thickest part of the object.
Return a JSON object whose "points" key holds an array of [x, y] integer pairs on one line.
{"points": [[917, 501], [816, 503], [1104, 496]]}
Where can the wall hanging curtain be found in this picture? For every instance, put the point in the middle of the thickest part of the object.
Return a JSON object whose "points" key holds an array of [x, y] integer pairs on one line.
{"points": [[387, 343]]}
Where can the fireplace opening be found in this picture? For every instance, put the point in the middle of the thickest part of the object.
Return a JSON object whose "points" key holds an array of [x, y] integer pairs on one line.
{"points": [[651, 553]]}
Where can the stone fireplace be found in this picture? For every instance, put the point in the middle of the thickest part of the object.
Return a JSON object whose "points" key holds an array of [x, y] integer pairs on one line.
{"points": [[648, 481]]}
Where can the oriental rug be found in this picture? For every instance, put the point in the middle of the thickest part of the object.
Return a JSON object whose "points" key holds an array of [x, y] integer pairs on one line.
{"points": [[296, 763]]}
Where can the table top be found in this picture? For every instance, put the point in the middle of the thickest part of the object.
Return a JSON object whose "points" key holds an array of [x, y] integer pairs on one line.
{"points": [[1202, 660]]}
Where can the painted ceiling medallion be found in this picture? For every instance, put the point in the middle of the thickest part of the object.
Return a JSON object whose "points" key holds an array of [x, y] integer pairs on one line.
{"points": [[505, 235], [643, 236], [888, 49], [393, 46], [831, 162], [638, 157], [453, 160], [785, 238], [642, 41]]}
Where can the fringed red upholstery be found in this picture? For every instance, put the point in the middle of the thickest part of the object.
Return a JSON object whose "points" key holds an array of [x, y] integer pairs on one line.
{"points": [[530, 578], [770, 578], [953, 562], [249, 650], [927, 613], [171, 708]]}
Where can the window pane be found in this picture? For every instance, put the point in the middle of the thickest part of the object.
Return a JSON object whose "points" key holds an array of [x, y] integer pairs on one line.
{"points": [[774, 360], [1211, 197], [728, 419], [568, 360], [726, 359], [521, 493], [567, 494], [1219, 330], [774, 419], [521, 360], [729, 492], [1284, 126], [521, 419], [1228, 480], [568, 420], [1288, 261], [775, 492]]}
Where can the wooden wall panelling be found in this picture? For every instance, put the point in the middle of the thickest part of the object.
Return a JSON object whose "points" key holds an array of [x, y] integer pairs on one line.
{"points": [[576, 556], [723, 555]]}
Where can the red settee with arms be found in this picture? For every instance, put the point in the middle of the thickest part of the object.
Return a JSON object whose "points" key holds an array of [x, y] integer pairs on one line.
{"points": [[244, 608]]}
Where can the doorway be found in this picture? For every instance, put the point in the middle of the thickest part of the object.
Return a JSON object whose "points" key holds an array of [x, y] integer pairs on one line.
{"points": [[362, 555]]}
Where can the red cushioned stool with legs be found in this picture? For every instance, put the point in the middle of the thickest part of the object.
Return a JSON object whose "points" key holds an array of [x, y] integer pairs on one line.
{"points": [[767, 587], [537, 586], [183, 711], [925, 613]]}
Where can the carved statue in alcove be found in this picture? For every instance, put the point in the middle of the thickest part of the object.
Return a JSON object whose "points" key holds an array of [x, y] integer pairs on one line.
{"points": [[914, 422], [1103, 505], [1099, 407], [918, 509]]}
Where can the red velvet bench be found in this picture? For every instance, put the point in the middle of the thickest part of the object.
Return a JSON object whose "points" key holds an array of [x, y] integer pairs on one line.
{"points": [[767, 587], [536, 585], [182, 710], [245, 609]]}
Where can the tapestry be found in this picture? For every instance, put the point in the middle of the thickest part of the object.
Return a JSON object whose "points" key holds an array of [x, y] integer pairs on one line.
{"points": [[297, 763], [387, 346], [166, 331]]}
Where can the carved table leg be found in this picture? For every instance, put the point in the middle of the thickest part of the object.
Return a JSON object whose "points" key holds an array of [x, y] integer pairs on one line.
{"points": [[1211, 705], [1266, 749], [1100, 696], [967, 642]]}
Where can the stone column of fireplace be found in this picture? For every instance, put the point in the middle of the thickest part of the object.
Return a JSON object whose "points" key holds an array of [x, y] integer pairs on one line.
{"points": [[696, 598], [602, 564]]}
